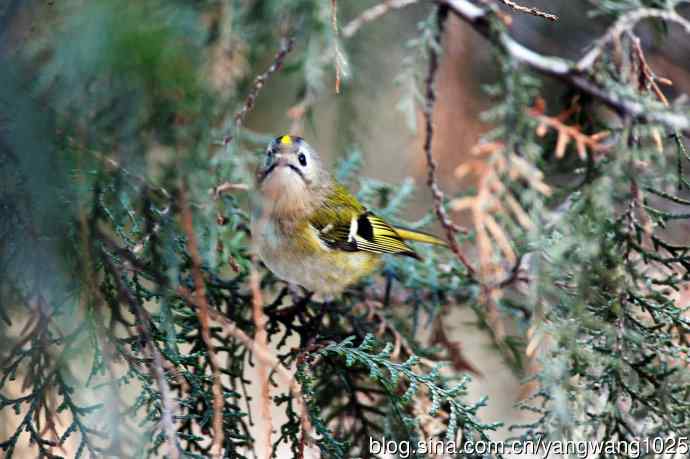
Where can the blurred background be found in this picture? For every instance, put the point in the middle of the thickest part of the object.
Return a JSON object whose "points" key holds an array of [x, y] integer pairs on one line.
{"points": [[52, 52]]}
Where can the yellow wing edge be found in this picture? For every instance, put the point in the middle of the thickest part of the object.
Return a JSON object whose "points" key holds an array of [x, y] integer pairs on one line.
{"points": [[419, 236]]}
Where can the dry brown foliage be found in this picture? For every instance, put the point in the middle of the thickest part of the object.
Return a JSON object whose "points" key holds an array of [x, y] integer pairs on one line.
{"points": [[567, 133]]}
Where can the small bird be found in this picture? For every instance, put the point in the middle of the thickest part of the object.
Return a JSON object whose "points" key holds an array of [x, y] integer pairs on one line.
{"points": [[310, 230]]}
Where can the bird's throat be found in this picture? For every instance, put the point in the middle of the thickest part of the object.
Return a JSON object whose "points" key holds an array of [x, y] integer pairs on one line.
{"points": [[286, 194]]}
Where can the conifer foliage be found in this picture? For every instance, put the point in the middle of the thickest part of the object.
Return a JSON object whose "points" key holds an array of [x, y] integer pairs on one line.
{"points": [[135, 320]]}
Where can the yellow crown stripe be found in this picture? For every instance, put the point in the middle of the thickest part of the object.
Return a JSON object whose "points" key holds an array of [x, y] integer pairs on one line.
{"points": [[286, 140]]}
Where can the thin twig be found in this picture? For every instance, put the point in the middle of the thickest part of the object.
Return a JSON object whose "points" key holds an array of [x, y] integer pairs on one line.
{"points": [[334, 25], [450, 228], [648, 78], [453, 348], [203, 313], [146, 185], [287, 43], [530, 10], [400, 343], [372, 14], [227, 187]]}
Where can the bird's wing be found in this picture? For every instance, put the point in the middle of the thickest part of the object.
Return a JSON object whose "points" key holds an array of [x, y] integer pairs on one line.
{"points": [[345, 224]]}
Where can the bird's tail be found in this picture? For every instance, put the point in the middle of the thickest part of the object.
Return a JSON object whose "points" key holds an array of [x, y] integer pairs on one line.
{"points": [[419, 236]]}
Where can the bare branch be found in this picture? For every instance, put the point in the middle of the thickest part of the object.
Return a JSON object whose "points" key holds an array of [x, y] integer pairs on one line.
{"points": [[285, 47], [261, 340], [373, 13], [626, 23], [530, 10], [453, 348], [648, 78], [385, 7], [338, 64], [451, 229], [568, 71], [227, 187]]}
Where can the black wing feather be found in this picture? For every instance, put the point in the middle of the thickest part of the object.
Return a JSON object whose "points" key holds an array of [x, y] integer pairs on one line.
{"points": [[373, 235]]}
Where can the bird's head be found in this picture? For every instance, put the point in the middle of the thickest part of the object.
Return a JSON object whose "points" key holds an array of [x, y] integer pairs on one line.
{"points": [[291, 174]]}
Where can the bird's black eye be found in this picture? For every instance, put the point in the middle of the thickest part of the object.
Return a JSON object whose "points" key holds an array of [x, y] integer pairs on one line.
{"points": [[302, 159]]}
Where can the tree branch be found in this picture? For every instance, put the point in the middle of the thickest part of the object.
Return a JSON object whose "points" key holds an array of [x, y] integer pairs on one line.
{"points": [[451, 229], [260, 352], [577, 75], [625, 23], [373, 13], [261, 340], [202, 312], [530, 10], [285, 47]]}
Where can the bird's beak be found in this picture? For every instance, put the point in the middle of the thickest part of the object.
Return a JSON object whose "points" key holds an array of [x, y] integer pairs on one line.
{"points": [[281, 160]]}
